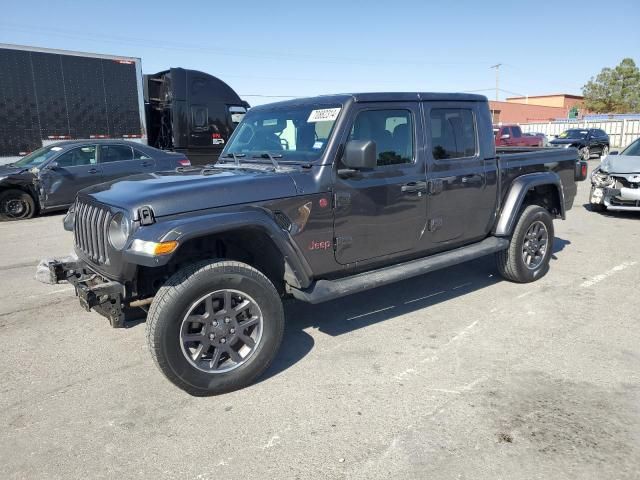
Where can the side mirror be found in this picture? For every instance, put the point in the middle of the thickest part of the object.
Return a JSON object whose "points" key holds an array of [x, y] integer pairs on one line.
{"points": [[53, 166], [614, 152], [506, 136], [359, 155]]}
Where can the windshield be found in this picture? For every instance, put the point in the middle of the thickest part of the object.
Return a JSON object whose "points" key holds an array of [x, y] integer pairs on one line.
{"points": [[633, 149], [38, 157], [573, 134], [298, 133]]}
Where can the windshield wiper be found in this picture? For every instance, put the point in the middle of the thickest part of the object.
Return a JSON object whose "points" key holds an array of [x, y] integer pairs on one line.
{"points": [[236, 157], [275, 163]]}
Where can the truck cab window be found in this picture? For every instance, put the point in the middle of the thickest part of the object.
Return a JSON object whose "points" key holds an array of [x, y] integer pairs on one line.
{"points": [[115, 153], [391, 130], [78, 157], [453, 133], [199, 118], [516, 132]]}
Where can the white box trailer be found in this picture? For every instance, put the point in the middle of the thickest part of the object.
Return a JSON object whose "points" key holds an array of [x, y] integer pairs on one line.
{"points": [[49, 95]]}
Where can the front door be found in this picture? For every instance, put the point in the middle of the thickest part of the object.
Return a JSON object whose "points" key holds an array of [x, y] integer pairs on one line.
{"points": [[462, 174], [382, 212], [75, 169]]}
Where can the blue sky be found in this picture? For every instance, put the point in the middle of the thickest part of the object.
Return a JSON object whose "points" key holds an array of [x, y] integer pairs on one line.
{"points": [[298, 48]]}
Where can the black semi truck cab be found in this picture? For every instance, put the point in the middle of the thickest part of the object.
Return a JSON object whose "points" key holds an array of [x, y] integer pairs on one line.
{"points": [[191, 112], [312, 199]]}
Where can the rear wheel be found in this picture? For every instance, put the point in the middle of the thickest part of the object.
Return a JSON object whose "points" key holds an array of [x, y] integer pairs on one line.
{"points": [[215, 327], [527, 258], [16, 205]]}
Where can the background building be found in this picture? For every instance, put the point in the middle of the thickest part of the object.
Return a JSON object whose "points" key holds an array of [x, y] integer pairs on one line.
{"points": [[537, 108]]}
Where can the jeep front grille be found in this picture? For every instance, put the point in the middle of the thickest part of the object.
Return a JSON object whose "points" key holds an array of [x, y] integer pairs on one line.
{"points": [[90, 231]]}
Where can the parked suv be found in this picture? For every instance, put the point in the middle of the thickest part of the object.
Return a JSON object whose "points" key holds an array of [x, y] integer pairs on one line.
{"points": [[588, 141], [313, 199], [49, 178]]}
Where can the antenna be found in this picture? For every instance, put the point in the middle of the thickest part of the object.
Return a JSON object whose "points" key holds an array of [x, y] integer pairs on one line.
{"points": [[497, 67]]}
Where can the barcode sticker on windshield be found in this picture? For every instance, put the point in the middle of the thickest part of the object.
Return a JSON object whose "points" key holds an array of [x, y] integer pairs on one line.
{"points": [[323, 115]]}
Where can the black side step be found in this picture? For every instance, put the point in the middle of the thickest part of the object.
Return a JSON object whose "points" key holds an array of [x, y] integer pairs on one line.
{"points": [[323, 290]]}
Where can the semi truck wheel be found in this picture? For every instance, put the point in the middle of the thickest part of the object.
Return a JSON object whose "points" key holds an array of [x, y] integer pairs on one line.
{"points": [[16, 205], [527, 258], [215, 326]]}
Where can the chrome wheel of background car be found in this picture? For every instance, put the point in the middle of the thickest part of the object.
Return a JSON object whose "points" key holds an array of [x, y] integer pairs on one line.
{"points": [[585, 153], [221, 331], [535, 245], [605, 151]]}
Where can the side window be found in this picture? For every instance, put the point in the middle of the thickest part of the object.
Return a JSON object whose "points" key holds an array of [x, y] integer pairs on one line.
{"points": [[199, 118], [517, 133], [77, 157], [453, 133], [138, 155], [115, 153], [391, 130]]}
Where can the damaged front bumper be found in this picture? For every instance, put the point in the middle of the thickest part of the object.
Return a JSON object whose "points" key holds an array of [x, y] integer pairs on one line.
{"points": [[617, 199], [93, 291]]}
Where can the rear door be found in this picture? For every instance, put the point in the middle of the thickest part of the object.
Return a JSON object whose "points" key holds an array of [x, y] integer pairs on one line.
{"points": [[462, 182], [77, 168], [121, 160], [382, 212]]}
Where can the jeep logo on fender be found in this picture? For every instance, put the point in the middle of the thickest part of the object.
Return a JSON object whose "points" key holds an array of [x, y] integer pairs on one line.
{"points": [[322, 245]]}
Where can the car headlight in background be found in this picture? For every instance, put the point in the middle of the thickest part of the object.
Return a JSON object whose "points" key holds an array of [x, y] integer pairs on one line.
{"points": [[568, 145], [118, 231]]}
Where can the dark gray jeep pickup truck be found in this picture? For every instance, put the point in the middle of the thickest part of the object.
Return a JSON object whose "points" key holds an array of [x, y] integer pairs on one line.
{"points": [[314, 199]]}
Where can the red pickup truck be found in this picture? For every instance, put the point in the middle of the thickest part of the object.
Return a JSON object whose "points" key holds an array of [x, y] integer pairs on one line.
{"points": [[511, 136]]}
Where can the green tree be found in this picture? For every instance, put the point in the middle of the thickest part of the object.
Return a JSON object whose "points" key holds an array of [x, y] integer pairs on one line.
{"points": [[614, 90]]}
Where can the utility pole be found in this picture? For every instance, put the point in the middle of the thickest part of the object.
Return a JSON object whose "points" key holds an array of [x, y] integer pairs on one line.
{"points": [[497, 67]]}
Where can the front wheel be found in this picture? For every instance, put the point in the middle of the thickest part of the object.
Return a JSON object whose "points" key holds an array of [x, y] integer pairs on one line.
{"points": [[527, 258], [215, 326], [16, 205], [605, 151], [585, 153]]}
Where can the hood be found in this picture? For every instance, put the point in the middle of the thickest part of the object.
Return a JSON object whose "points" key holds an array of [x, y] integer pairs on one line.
{"points": [[170, 193], [566, 141], [9, 170], [621, 164]]}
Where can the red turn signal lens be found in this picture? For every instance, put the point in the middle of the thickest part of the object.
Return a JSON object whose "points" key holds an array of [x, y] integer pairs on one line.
{"points": [[184, 162]]}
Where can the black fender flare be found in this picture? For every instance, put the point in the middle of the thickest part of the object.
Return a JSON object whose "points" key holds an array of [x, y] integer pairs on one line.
{"points": [[519, 188], [297, 270]]}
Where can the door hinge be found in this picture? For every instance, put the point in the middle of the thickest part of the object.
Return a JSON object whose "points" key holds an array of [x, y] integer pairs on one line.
{"points": [[341, 242], [435, 186], [341, 199], [434, 224]]}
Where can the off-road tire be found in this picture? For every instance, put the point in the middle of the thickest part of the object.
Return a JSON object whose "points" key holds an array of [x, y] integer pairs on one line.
{"points": [[171, 304], [510, 262], [20, 196]]}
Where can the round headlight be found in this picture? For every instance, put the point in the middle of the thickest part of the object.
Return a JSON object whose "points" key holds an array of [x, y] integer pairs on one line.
{"points": [[118, 231]]}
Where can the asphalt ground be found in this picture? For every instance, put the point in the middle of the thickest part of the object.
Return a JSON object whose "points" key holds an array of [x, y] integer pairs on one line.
{"points": [[453, 375]]}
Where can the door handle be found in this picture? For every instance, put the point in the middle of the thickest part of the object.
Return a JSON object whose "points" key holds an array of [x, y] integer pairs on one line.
{"points": [[146, 164], [472, 179], [93, 170], [414, 187]]}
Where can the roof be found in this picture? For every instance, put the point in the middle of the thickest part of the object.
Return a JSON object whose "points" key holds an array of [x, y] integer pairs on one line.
{"points": [[97, 141], [380, 97], [566, 95], [30, 48]]}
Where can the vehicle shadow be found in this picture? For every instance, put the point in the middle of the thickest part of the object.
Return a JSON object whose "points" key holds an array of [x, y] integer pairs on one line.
{"points": [[361, 310]]}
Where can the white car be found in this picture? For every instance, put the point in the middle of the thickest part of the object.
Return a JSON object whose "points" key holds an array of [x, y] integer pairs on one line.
{"points": [[615, 183]]}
